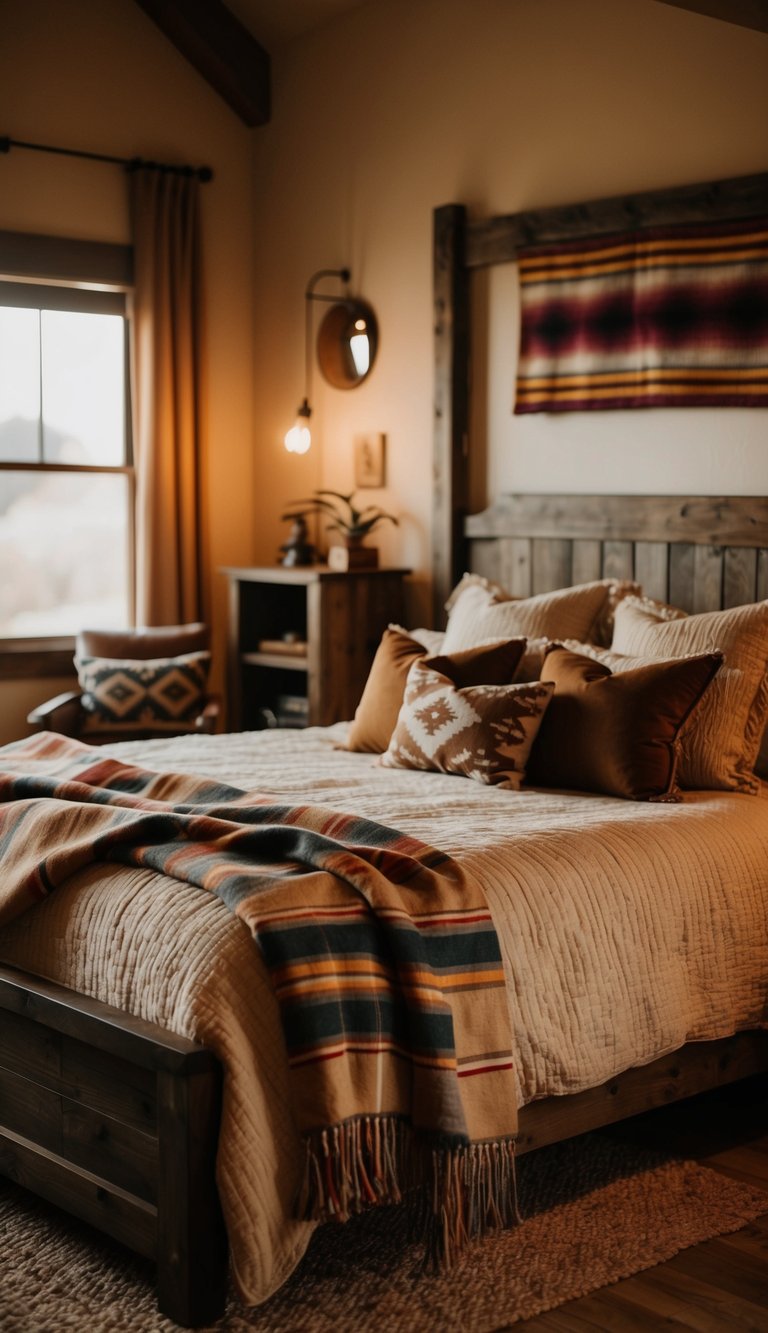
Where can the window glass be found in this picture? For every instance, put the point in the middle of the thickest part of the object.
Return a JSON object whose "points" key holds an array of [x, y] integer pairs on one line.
{"points": [[83, 368], [19, 385], [64, 540], [66, 485]]}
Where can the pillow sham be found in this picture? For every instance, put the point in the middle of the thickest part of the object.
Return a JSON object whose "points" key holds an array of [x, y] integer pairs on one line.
{"points": [[719, 750], [377, 712], [483, 732], [126, 694], [481, 610], [616, 734]]}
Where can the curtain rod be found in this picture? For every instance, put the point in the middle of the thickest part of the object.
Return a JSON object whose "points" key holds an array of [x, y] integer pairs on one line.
{"points": [[203, 174]]}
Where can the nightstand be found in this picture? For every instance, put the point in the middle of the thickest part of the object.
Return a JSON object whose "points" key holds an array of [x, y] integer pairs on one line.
{"points": [[301, 641]]}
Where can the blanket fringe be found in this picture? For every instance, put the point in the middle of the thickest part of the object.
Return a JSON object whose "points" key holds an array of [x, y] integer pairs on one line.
{"points": [[455, 1192]]}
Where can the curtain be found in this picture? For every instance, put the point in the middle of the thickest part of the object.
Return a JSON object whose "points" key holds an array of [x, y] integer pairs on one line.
{"points": [[166, 391]]}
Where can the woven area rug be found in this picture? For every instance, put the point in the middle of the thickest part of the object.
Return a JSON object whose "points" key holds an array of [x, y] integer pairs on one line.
{"points": [[595, 1211]]}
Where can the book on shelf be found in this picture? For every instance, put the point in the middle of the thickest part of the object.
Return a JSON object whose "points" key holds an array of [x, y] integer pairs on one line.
{"points": [[284, 647], [292, 710]]}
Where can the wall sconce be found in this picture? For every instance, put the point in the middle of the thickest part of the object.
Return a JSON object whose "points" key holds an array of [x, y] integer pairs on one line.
{"points": [[347, 342]]}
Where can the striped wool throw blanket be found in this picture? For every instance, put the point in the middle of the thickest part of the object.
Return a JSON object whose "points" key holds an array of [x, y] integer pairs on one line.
{"points": [[663, 317], [381, 951]]}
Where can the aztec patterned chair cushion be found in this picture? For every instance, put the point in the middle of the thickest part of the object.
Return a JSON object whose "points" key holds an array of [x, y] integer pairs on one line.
{"points": [[157, 694], [480, 610], [377, 712], [720, 748], [616, 734], [483, 732]]}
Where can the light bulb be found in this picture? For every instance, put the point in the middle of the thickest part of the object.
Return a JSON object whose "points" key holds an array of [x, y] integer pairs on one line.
{"points": [[360, 348], [299, 438]]}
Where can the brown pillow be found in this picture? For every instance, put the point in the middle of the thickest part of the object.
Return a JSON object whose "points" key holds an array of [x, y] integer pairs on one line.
{"points": [[483, 732], [616, 734], [720, 749], [376, 715]]}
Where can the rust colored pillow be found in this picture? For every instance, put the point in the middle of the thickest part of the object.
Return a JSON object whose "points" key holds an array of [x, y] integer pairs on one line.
{"points": [[616, 734], [377, 712]]}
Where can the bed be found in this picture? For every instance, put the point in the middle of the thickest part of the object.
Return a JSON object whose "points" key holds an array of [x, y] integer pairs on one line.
{"points": [[132, 1056]]}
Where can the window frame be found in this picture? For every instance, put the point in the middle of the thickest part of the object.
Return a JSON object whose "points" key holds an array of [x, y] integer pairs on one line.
{"points": [[57, 273]]}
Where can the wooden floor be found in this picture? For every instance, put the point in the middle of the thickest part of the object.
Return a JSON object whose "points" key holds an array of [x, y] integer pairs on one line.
{"points": [[720, 1286]]}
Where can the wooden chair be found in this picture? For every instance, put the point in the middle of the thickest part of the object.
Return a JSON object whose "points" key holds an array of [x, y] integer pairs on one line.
{"points": [[65, 713]]}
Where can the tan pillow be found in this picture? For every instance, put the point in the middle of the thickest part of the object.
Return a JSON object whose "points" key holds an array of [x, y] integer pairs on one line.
{"points": [[379, 705], [377, 712], [719, 749], [483, 732], [481, 611], [616, 734]]}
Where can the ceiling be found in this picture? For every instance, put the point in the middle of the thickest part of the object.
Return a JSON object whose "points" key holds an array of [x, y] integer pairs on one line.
{"points": [[274, 23], [229, 42]]}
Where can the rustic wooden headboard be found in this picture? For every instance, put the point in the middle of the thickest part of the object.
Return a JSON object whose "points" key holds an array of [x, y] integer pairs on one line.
{"points": [[700, 553]]}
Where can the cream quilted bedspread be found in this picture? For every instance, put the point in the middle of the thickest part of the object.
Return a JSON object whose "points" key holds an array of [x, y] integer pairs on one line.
{"points": [[627, 929]]}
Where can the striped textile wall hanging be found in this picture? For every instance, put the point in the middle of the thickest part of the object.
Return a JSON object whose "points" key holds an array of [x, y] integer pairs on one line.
{"points": [[665, 317]]}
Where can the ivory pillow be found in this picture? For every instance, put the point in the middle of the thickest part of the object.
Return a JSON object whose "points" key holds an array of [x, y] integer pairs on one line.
{"points": [[616, 734], [720, 747], [480, 611], [483, 732], [377, 712]]}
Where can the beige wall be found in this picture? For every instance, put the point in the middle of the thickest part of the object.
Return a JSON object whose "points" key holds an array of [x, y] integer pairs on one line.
{"points": [[98, 75], [502, 105], [403, 105]]}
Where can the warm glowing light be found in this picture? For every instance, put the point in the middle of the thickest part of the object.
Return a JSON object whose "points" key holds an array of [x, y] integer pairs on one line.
{"points": [[299, 438], [360, 348]]}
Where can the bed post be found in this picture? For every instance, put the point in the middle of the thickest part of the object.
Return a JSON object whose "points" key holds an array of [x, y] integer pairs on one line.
{"points": [[450, 459]]}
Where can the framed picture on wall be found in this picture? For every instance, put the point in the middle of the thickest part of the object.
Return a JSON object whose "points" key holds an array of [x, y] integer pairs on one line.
{"points": [[370, 469]]}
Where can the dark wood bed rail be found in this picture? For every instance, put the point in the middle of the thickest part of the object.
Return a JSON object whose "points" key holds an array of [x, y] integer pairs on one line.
{"points": [[115, 1120]]}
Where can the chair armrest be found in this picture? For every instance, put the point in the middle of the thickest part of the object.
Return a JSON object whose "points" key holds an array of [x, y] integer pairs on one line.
{"points": [[207, 720], [62, 713]]}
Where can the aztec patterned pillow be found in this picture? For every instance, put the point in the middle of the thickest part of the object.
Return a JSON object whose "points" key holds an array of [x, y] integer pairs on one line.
{"points": [[158, 694], [483, 732], [377, 713], [720, 748], [479, 610]]}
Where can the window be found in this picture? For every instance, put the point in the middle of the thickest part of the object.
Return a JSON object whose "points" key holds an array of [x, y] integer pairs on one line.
{"points": [[66, 479]]}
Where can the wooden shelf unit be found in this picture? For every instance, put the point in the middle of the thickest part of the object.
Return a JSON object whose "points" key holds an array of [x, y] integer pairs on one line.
{"points": [[340, 617]]}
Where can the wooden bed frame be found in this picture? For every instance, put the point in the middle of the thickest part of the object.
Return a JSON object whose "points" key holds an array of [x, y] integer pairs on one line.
{"points": [[114, 1119]]}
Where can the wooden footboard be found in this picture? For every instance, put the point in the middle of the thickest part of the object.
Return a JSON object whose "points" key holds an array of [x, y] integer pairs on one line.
{"points": [[115, 1120]]}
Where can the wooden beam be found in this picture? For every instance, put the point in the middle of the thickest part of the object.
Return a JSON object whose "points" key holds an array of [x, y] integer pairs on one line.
{"points": [[745, 13], [450, 457], [220, 48], [497, 240]]}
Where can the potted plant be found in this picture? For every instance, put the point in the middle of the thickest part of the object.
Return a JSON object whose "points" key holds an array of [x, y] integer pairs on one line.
{"points": [[352, 524]]}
